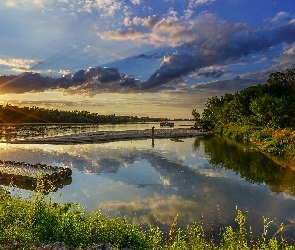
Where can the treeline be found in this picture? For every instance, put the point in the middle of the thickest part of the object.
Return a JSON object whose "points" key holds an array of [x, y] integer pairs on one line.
{"points": [[16, 115], [269, 105]]}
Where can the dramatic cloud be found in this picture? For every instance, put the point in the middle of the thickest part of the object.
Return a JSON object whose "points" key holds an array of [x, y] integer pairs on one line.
{"points": [[172, 68], [219, 44], [213, 74], [169, 47], [153, 31], [87, 82], [31, 82], [237, 83]]}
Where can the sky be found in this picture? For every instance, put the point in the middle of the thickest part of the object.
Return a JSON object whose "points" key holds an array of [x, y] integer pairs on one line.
{"points": [[156, 58]]}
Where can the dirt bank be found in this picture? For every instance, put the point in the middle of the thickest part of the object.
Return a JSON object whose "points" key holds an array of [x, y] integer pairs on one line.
{"points": [[105, 136]]}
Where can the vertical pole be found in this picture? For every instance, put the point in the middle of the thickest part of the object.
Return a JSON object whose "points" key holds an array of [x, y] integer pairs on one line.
{"points": [[153, 135]]}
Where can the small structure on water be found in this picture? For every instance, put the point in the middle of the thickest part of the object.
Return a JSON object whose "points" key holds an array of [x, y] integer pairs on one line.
{"points": [[166, 124]]}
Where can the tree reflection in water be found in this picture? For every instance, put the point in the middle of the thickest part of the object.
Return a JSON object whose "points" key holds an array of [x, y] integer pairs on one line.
{"points": [[247, 161]]}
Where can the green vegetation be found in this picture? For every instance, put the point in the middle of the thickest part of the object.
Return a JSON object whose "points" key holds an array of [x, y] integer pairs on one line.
{"points": [[15, 114], [248, 162], [37, 219], [263, 113], [269, 140]]}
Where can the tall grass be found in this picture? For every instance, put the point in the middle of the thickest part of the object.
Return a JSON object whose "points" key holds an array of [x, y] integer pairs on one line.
{"points": [[36, 219], [272, 141]]}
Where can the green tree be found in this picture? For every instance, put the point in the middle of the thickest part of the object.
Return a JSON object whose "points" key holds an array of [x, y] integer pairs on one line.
{"points": [[271, 104]]}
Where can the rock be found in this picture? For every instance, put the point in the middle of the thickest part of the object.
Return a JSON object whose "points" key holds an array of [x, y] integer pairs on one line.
{"points": [[53, 246]]}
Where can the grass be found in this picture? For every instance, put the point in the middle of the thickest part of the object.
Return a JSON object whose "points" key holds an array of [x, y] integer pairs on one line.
{"points": [[36, 219], [272, 141]]}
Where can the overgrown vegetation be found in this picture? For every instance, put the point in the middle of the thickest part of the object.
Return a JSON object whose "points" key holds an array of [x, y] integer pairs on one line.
{"points": [[15, 114], [263, 113], [39, 220], [272, 141]]}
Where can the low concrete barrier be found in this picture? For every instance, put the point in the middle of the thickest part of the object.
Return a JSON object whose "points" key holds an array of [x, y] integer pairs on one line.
{"points": [[22, 171]]}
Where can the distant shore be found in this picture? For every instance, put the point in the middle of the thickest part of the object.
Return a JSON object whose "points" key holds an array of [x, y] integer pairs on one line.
{"points": [[105, 136]]}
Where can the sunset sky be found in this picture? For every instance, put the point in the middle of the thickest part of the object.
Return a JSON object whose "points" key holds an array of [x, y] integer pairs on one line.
{"points": [[157, 58]]}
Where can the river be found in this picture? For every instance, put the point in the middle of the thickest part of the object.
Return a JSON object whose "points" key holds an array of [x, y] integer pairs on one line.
{"points": [[204, 178]]}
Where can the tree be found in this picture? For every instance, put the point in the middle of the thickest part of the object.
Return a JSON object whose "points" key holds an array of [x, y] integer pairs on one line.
{"points": [[197, 117], [271, 104]]}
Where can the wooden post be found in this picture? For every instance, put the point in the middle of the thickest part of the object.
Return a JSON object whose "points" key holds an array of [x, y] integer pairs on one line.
{"points": [[153, 135]]}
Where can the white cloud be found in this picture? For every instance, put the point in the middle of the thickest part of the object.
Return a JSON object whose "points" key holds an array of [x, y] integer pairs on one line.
{"points": [[173, 14], [24, 3], [130, 34], [127, 21], [137, 20], [150, 21], [281, 15], [195, 3], [261, 60], [188, 13], [286, 59], [18, 64], [166, 31], [105, 7], [173, 32], [135, 1], [65, 72], [170, 32]]}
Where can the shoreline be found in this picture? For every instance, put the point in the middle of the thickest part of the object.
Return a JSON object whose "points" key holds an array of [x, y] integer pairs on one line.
{"points": [[107, 136]]}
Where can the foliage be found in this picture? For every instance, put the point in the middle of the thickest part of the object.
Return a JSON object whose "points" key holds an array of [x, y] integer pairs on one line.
{"points": [[272, 141], [35, 220], [269, 105]]}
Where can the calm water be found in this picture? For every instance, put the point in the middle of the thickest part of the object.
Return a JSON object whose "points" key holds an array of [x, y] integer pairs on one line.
{"points": [[188, 177]]}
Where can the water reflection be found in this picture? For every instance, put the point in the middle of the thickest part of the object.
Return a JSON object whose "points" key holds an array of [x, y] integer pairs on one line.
{"points": [[188, 177], [248, 162], [31, 184]]}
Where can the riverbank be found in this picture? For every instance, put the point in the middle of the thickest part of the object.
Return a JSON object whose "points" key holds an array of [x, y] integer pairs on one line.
{"points": [[35, 223], [105, 136], [278, 144]]}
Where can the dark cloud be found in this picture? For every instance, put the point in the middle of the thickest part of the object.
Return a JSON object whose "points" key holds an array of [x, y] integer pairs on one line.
{"points": [[212, 74], [173, 67], [284, 33], [154, 56], [232, 85], [88, 81], [98, 74], [218, 43], [31, 82]]}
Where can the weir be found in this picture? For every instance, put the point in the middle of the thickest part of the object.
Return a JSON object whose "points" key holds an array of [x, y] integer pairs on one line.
{"points": [[22, 171]]}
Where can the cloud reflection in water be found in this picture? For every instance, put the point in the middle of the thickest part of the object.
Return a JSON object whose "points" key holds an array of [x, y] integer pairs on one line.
{"points": [[152, 185]]}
